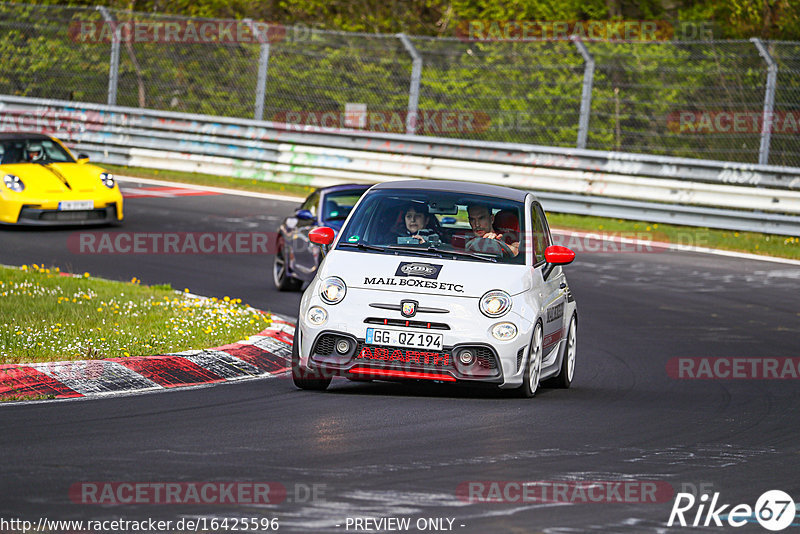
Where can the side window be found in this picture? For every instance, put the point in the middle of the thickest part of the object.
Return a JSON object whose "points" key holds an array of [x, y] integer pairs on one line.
{"points": [[540, 233], [311, 203]]}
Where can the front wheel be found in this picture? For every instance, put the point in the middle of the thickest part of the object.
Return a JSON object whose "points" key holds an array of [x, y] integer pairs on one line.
{"points": [[533, 370], [280, 270], [306, 378], [564, 378]]}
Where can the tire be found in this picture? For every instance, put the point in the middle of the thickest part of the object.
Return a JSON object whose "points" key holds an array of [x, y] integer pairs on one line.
{"points": [[280, 277], [567, 372], [306, 378], [533, 369]]}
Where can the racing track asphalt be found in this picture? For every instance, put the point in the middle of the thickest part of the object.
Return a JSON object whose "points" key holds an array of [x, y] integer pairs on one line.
{"points": [[383, 450]]}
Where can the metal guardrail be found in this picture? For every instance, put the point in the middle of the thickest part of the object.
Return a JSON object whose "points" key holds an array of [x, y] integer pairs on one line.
{"points": [[622, 185]]}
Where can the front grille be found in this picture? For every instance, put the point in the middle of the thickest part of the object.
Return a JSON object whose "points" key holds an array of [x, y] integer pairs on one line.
{"points": [[324, 345], [32, 213], [486, 358], [405, 365], [81, 215], [407, 323]]}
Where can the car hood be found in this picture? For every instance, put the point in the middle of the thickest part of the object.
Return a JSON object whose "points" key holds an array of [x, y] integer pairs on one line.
{"points": [[423, 275], [50, 179]]}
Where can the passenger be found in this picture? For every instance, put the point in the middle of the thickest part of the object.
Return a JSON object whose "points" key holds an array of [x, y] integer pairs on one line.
{"points": [[416, 223], [482, 222]]}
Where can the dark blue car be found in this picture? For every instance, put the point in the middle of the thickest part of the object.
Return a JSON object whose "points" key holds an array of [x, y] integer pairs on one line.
{"points": [[296, 258]]}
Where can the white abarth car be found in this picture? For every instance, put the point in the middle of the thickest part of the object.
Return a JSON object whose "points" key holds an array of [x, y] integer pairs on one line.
{"points": [[439, 281]]}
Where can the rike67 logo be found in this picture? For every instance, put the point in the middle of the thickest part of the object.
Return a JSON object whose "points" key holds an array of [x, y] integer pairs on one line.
{"points": [[774, 510]]}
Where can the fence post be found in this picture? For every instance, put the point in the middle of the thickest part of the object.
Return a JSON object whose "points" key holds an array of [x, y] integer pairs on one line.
{"points": [[769, 101], [586, 93], [263, 65], [413, 91], [113, 68]]}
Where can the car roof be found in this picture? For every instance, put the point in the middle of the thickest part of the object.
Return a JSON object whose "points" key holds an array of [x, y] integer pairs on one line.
{"points": [[11, 136], [453, 185], [343, 187]]}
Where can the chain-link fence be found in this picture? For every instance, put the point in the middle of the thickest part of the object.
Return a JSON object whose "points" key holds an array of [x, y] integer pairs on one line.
{"points": [[693, 99]]}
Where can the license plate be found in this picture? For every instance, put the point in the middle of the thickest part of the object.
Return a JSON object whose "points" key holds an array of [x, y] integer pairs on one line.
{"points": [[72, 205], [403, 338]]}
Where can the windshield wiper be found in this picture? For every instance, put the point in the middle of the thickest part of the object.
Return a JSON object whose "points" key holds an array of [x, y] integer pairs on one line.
{"points": [[438, 252], [363, 246]]}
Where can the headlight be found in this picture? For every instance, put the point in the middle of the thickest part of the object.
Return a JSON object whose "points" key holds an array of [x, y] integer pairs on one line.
{"points": [[13, 183], [495, 303], [333, 290], [108, 179], [504, 331], [317, 316]]}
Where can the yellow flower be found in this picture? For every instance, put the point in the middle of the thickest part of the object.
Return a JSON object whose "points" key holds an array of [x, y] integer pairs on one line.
{"points": [[86, 275]]}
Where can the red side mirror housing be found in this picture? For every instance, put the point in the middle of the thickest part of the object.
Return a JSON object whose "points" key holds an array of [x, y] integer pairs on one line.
{"points": [[558, 255], [321, 236]]}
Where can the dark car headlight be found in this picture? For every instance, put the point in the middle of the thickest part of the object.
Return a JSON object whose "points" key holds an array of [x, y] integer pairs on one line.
{"points": [[108, 179], [14, 183]]}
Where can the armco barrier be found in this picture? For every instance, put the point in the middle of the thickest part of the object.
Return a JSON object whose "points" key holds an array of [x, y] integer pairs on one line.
{"points": [[624, 185]]}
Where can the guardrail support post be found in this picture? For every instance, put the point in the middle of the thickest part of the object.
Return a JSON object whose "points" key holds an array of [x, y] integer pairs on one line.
{"points": [[263, 65], [113, 68], [413, 91], [769, 101], [586, 93]]}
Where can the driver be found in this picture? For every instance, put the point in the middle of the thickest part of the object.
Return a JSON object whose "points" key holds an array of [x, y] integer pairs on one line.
{"points": [[481, 220], [34, 152]]}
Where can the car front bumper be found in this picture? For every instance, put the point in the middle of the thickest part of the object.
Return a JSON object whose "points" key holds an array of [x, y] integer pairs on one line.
{"points": [[43, 215], [463, 327]]}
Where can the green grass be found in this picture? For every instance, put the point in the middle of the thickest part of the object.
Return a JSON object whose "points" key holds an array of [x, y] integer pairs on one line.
{"points": [[755, 243], [48, 317], [24, 397], [751, 242]]}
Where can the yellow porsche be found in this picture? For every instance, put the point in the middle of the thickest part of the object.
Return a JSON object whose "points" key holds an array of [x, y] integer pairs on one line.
{"points": [[44, 184]]}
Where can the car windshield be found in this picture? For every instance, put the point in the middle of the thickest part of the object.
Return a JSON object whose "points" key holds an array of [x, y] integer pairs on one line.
{"points": [[32, 151], [338, 204], [437, 223]]}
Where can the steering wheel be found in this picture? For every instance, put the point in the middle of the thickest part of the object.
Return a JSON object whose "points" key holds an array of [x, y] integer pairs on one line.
{"points": [[485, 245]]}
